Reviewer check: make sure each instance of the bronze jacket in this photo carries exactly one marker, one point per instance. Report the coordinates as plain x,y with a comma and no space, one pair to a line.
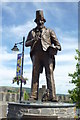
46,36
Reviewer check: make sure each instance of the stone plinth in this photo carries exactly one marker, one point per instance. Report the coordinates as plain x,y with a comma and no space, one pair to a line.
41,111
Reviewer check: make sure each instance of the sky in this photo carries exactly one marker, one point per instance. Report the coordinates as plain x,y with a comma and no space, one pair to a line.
17,19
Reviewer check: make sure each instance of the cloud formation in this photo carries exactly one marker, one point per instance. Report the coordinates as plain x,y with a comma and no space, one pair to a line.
13,30
40,1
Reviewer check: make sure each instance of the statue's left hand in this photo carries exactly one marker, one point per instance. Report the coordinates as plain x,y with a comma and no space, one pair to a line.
39,38
58,48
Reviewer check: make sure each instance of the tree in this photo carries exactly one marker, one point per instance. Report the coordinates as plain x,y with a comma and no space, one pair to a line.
75,93
26,96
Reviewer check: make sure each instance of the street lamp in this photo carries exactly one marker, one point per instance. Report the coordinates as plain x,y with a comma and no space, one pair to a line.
16,49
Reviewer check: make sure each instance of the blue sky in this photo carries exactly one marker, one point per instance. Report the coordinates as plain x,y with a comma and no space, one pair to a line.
18,20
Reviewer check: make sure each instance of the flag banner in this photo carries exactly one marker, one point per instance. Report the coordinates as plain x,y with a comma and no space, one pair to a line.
19,67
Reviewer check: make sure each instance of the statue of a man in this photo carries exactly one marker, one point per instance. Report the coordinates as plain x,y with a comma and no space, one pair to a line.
42,55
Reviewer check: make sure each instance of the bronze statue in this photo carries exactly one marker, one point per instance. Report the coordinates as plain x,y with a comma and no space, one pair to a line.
42,55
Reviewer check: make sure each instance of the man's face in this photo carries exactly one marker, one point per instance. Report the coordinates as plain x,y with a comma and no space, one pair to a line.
40,23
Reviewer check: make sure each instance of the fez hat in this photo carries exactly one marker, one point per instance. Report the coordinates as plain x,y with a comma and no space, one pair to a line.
39,16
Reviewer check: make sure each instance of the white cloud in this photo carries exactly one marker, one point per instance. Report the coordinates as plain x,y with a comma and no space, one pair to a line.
56,12
50,9
8,72
67,44
5,56
79,45
62,79
68,40
0,29
40,1
65,58
0,24
21,29
60,73
17,31
59,58
9,9
6,75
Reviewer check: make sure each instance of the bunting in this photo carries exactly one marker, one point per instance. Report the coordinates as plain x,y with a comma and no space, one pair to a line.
19,67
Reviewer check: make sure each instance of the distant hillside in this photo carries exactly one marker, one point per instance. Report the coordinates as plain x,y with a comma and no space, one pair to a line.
13,89
16,90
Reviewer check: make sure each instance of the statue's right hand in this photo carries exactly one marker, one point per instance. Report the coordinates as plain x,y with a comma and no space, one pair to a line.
37,38
29,42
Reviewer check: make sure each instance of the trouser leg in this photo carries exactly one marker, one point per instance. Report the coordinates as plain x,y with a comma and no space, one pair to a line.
50,79
35,79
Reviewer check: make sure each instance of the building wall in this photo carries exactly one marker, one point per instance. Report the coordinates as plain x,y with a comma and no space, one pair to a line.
9,97
14,97
60,98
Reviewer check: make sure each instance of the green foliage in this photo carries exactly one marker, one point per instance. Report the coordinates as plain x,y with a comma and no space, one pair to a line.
26,96
12,91
75,93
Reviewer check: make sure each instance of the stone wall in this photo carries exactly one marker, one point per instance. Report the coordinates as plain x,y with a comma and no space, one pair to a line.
60,98
9,97
14,97
3,110
58,110
6,97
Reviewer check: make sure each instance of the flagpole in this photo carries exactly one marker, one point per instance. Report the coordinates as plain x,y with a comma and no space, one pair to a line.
16,49
22,70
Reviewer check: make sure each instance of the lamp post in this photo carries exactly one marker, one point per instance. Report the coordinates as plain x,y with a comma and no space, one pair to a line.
16,49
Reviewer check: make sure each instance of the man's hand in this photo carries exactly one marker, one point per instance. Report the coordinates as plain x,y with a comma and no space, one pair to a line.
37,38
58,48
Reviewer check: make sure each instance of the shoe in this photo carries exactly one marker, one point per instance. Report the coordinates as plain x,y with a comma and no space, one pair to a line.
52,100
31,99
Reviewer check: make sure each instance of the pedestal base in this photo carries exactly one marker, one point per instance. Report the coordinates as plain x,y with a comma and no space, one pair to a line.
41,111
